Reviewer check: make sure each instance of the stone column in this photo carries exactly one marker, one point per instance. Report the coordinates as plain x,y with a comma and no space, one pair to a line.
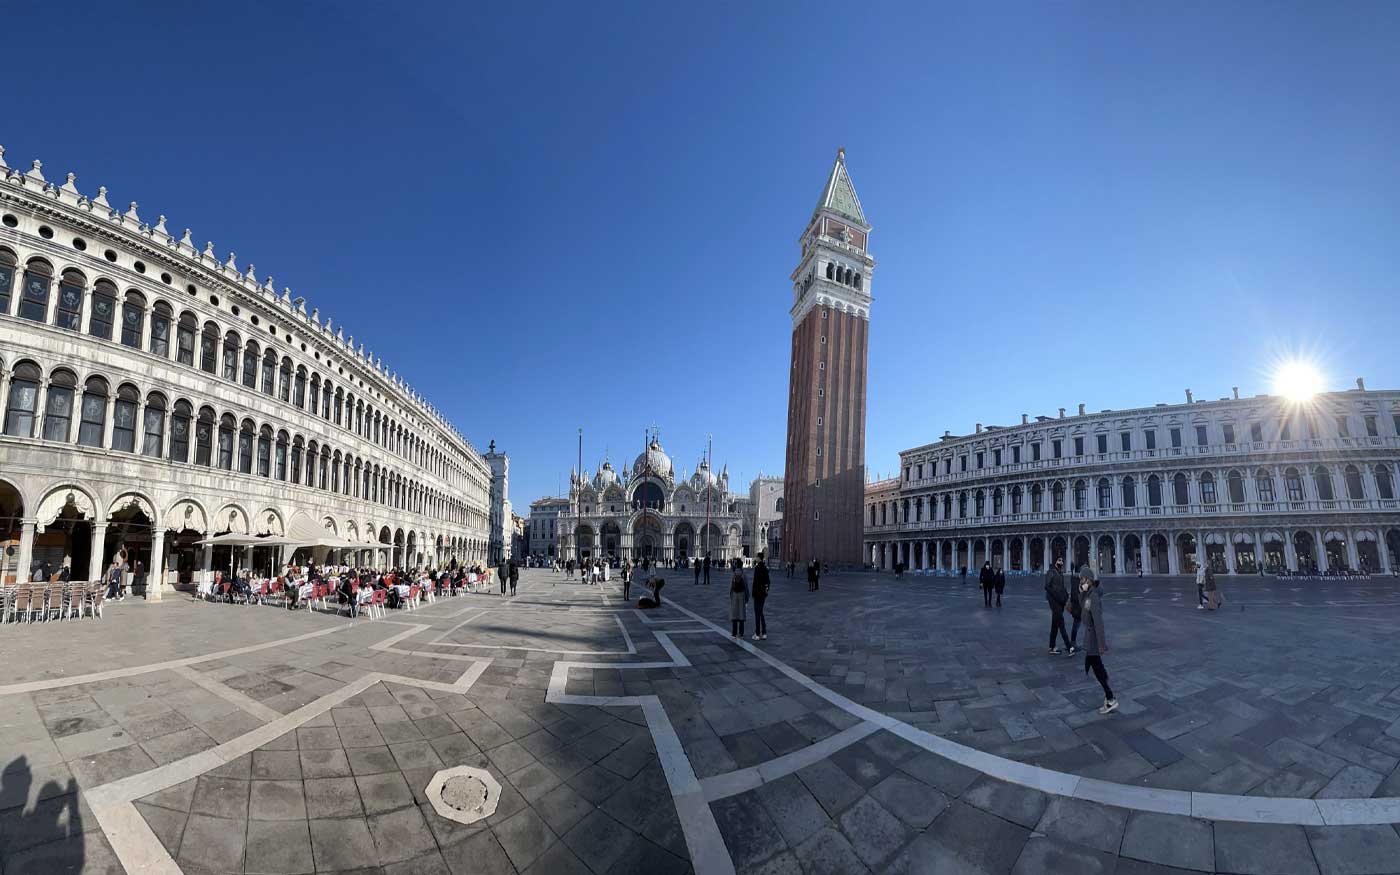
96,561
155,572
207,564
1120,563
1353,555
85,324
1383,552
41,411
1173,559
1144,553
1321,550
247,557
1229,551
1290,555
26,551
1094,553
1045,548
111,412
924,548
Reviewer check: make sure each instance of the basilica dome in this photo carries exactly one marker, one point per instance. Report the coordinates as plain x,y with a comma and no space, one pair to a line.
653,461
606,477
703,477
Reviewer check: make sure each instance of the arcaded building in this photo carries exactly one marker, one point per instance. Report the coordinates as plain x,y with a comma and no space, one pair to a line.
164,404
1247,484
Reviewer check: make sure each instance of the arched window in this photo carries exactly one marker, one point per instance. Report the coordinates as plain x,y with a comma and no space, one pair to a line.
315,404
209,348
124,418
1129,492
180,431
980,502
1015,499
58,408
133,319
284,380
997,501
324,479
232,344
70,301
104,310
8,263
1180,495
1057,496
1355,490
1081,495
93,421
962,504
227,429
265,451
24,399
245,447
153,426
1207,488
1322,479
1105,491
204,437
296,459
1385,487
250,364
1293,482
299,388
1037,498
947,507
1234,481
269,372
161,315
339,403
858,280
327,392
184,339
279,466
830,271
1264,485
34,299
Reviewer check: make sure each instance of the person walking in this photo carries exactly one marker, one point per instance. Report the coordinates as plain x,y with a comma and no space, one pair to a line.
985,578
1200,587
1057,597
503,572
760,595
1076,612
626,580
514,576
696,564
738,597
114,577
1095,638
1000,583
707,569
1212,591
963,571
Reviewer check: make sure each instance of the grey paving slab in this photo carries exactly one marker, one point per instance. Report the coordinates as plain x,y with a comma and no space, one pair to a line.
1169,839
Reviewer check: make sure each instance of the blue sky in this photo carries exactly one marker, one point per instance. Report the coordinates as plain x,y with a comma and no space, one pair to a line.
598,204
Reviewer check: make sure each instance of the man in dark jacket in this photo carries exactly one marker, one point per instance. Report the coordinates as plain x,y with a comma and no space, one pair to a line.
706,569
760,595
999,582
1056,595
986,577
514,576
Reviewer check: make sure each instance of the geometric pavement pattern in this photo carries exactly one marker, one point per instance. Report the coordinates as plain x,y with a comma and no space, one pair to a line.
187,737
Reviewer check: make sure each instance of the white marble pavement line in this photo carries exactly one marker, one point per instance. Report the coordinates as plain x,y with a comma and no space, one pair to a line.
132,671
132,839
743,780
1214,806
228,694
708,853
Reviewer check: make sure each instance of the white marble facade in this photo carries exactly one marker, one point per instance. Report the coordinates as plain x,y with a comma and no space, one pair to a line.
1249,484
155,394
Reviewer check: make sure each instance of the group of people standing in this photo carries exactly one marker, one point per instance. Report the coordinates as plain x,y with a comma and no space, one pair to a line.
991,580
739,594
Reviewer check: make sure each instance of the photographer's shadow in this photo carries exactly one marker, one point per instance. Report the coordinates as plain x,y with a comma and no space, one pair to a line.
39,832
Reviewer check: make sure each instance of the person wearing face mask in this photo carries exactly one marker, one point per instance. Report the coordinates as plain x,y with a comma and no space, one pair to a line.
1095,640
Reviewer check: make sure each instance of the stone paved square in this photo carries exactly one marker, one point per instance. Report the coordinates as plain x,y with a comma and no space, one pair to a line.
886,725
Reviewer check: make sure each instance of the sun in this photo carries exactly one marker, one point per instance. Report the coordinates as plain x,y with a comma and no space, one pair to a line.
1297,380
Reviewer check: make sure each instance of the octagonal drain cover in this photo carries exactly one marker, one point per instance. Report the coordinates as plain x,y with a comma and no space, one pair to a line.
464,794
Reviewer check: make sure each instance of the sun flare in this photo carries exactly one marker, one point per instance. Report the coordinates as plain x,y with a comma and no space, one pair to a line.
1297,380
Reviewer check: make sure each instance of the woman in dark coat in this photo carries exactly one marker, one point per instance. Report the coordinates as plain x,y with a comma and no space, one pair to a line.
738,598
1095,638
1000,584
985,578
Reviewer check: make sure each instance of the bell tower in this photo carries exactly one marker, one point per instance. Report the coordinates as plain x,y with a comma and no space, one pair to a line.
825,474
